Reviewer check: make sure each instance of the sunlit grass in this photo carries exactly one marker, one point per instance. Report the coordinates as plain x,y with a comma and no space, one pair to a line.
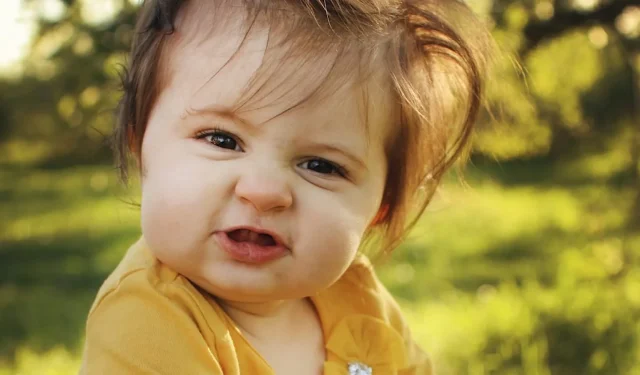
57,361
44,204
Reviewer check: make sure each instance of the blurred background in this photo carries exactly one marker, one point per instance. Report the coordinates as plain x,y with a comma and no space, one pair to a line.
531,267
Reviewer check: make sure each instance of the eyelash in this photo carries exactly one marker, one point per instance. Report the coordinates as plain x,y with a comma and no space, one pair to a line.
341,170
217,130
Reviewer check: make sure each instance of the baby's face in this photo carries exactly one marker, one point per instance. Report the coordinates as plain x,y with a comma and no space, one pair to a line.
256,207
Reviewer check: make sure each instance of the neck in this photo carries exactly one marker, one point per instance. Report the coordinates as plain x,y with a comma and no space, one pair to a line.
260,320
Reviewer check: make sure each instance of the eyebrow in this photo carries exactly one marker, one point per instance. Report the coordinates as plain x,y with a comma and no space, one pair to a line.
221,112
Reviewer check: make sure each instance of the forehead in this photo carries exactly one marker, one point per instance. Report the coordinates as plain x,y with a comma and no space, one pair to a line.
226,59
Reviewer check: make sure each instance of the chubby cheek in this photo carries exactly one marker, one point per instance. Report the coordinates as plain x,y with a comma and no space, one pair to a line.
175,210
332,237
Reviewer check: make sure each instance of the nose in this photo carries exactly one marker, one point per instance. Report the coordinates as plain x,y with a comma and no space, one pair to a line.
265,189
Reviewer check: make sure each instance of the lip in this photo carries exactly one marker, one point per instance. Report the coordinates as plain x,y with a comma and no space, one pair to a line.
248,252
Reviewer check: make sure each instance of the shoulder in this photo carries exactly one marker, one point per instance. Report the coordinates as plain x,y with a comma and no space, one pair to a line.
140,275
137,261
363,311
140,281
362,273
359,290
148,317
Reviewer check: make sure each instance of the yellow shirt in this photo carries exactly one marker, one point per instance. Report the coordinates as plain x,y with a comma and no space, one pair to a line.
147,319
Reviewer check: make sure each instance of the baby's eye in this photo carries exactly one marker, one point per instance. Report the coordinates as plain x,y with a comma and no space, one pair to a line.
220,139
323,166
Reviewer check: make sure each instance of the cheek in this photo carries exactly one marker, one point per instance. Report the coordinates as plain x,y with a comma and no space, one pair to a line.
177,204
332,233
166,219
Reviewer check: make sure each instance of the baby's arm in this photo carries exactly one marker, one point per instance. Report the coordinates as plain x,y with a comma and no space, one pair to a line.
141,328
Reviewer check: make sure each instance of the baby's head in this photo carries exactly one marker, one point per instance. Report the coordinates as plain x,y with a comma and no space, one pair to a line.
273,137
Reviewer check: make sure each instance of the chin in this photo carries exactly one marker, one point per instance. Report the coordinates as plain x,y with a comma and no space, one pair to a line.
254,292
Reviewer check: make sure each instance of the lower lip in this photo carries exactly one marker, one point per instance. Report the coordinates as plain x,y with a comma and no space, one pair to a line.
249,252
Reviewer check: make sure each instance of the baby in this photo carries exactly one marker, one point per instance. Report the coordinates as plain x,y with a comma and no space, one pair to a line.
274,141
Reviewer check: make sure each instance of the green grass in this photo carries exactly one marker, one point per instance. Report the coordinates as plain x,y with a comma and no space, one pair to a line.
61,233
517,274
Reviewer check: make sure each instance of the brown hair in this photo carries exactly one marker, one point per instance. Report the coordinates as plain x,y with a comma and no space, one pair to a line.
434,55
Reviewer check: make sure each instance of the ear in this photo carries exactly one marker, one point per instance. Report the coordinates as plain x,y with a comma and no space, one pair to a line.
380,216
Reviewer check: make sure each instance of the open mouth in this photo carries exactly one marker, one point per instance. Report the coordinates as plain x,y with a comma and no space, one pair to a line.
246,235
252,246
